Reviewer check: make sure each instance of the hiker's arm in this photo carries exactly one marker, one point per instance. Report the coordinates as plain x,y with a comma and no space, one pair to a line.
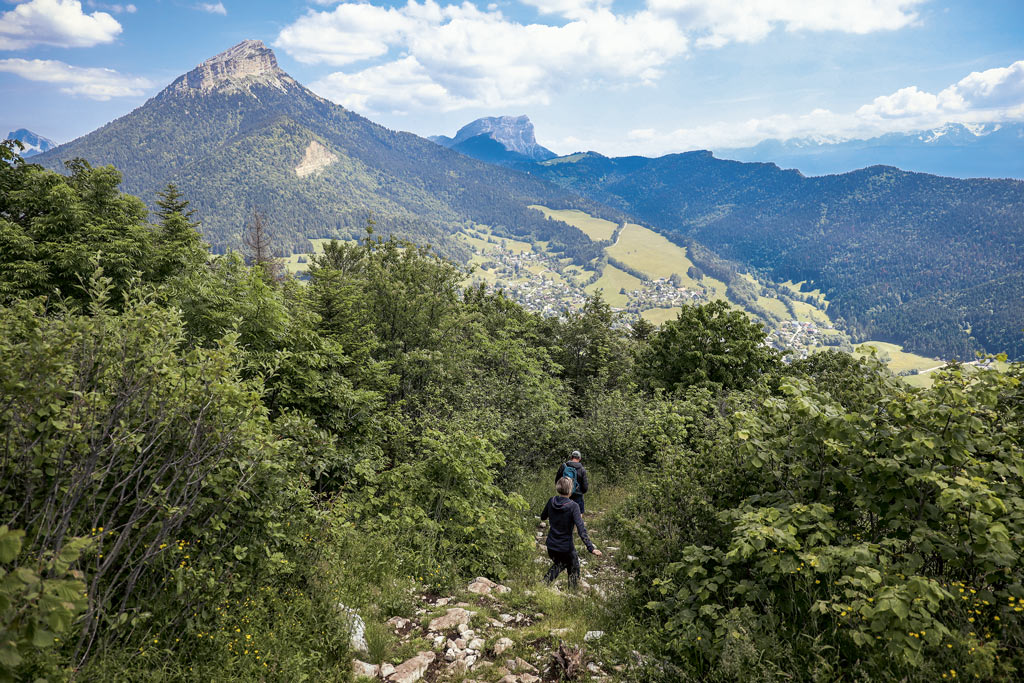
578,519
547,509
584,482
560,472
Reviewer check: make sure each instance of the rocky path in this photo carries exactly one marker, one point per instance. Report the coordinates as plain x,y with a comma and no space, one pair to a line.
522,633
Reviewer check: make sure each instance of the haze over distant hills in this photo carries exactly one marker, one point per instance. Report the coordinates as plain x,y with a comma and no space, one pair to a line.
955,149
33,142
505,140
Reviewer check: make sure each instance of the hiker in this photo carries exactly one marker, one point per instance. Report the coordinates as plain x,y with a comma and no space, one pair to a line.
564,514
573,469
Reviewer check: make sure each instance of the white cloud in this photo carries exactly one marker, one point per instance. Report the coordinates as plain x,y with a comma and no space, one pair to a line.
115,8
464,56
567,8
991,96
55,22
213,8
719,22
91,82
393,86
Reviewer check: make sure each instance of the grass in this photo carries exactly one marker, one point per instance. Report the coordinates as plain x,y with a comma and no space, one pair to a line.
611,282
898,359
651,253
596,229
660,316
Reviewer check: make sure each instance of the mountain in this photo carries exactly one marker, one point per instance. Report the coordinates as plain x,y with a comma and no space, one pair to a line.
954,149
930,262
507,140
237,133
34,143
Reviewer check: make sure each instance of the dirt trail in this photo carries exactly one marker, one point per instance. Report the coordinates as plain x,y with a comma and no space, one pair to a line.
523,633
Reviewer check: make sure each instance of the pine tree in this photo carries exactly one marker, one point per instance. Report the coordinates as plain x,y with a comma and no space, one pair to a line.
178,244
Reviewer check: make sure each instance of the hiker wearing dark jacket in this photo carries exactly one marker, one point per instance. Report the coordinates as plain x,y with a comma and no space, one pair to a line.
564,515
581,478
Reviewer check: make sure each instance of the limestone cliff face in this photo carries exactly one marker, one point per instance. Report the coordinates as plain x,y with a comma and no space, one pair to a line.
246,64
515,133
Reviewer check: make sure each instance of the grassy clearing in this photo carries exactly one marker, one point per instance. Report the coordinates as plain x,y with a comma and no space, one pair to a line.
808,313
897,359
797,288
611,282
660,316
651,253
596,229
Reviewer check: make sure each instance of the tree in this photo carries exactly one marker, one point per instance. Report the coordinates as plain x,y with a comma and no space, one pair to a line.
258,241
711,346
170,200
178,245
56,230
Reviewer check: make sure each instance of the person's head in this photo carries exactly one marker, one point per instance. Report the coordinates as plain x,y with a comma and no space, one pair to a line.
576,456
563,486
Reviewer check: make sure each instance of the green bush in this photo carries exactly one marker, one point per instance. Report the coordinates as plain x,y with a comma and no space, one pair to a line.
886,541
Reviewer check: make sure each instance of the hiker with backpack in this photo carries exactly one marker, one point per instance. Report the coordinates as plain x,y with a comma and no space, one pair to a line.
573,469
564,514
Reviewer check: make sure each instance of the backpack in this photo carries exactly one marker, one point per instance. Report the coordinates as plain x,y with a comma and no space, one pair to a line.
571,472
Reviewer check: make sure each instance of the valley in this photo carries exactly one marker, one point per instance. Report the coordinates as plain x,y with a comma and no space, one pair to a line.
640,273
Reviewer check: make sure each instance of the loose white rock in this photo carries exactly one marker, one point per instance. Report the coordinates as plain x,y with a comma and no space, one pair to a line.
502,645
412,670
593,635
453,617
364,669
357,628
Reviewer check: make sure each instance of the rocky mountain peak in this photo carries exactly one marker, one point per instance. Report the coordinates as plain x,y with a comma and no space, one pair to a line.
514,132
33,142
250,62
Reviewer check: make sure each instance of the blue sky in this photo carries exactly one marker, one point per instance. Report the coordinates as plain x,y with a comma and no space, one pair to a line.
643,77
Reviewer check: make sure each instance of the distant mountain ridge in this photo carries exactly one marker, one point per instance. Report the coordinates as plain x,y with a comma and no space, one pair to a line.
880,242
955,149
236,133
506,140
33,142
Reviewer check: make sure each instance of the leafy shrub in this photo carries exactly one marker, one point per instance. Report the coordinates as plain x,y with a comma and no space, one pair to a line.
161,454
890,536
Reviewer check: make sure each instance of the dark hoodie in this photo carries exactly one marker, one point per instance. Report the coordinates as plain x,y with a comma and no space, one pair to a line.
564,514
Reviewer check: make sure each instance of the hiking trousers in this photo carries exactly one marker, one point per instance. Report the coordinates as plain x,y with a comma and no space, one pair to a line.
569,561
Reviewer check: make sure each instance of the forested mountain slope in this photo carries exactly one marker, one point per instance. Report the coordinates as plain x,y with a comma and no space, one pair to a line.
237,133
879,241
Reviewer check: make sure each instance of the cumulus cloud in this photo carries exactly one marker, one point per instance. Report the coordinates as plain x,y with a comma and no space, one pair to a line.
991,96
716,23
469,56
61,23
464,56
213,8
91,82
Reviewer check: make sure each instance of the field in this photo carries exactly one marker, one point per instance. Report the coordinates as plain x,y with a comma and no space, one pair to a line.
896,358
597,229
659,316
651,253
611,282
